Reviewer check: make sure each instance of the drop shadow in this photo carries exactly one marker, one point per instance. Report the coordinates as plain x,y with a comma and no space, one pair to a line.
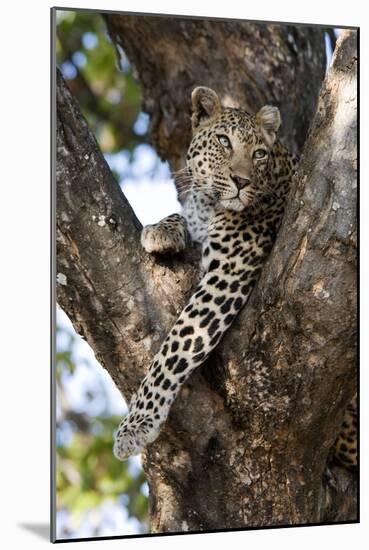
42,530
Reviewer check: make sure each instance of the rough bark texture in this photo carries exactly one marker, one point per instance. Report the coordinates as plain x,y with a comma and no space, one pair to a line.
120,299
249,436
248,64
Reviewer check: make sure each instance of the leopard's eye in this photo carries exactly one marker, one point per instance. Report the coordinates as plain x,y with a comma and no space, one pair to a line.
259,154
223,140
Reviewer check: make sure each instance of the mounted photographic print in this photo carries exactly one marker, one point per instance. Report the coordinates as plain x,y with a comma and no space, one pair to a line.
204,372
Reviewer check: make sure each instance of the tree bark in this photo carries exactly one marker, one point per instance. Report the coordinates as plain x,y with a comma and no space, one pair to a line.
119,299
248,64
249,436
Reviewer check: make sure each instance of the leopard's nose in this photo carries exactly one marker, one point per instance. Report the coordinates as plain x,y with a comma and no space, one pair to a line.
240,182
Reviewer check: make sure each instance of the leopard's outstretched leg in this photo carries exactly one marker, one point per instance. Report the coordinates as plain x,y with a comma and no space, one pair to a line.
223,291
169,236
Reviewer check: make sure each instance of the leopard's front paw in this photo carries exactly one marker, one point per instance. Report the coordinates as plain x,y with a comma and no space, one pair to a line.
127,445
162,240
133,435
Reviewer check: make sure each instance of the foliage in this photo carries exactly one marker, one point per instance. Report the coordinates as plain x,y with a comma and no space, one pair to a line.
87,472
88,475
109,98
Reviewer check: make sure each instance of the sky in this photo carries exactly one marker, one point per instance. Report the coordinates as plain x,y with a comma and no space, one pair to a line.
146,183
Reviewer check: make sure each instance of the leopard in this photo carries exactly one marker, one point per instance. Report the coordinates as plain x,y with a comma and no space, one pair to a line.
233,190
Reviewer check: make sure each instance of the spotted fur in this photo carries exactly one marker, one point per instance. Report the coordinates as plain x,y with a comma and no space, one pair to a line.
345,447
233,191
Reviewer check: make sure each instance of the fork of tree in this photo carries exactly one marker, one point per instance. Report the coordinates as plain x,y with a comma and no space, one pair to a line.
249,438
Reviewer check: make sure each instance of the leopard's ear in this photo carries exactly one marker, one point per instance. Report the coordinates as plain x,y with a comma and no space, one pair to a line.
205,106
269,120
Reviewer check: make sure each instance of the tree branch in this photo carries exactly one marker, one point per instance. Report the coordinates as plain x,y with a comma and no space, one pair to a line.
299,328
81,89
117,297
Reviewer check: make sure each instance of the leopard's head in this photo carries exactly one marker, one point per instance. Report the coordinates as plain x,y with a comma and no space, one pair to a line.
229,155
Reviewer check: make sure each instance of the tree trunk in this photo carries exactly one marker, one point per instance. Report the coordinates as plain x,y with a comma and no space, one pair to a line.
248,64
248,438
